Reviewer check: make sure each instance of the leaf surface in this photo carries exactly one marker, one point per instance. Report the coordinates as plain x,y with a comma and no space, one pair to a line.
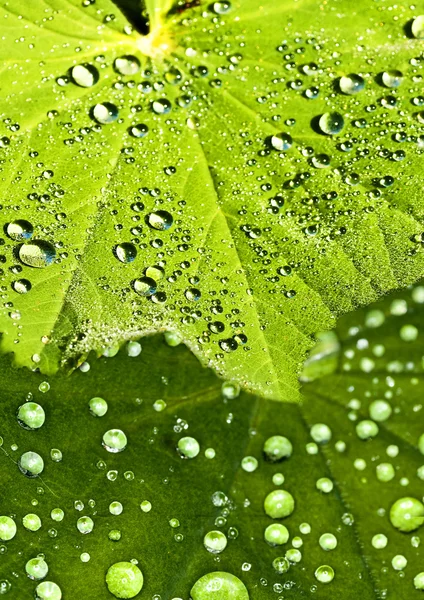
150,469
244,213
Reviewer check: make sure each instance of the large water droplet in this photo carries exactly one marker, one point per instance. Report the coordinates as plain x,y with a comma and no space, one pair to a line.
37,254
324,574
417,27
145,286
31,464
125,252
392,79
215,541
85,75
105,113
124,580
7,528
127,65
351,84
219,586
114,440
160,220
407,514
20,230
22,286
36,568
279,504
331,123
48,591
222,7
31,415
282,141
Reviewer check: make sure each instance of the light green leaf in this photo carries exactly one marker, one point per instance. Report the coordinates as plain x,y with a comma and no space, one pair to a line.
163,395
82,184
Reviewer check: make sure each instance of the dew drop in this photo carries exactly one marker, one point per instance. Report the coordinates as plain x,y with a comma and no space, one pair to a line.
85,75
22,286
222,7
37,254
105,113
125,252
31,464
276,534
114,440
331,123
47,590
392,79
98,407
282,141
324,574
31,415
279,504
277,447
215,542
220,586
127,65
351,84
124,580
145,286
160,220
417,27
188,447
7,528
36,568
20,230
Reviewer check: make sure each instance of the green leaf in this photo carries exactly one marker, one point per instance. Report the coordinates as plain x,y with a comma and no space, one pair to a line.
151,469
245,76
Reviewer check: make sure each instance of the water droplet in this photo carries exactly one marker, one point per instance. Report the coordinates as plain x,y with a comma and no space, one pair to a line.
380,410
160,220
161,106
331,123
85,75
31,522
385,472
230,391
48,591
37,254
56,455
277,447
114,440
7,529
366,429
351,84
145,286
124,580
31,415
249,464
22,286
127,65
324,485
320,433
215,541
139,131
419,581
115,508
57,515
219,585
328,541
31,464
146,506
321,161
417,27
276,534
407,514
379,541
188,447
36,568
399,562
281,565
98,407
324,574
222,7
392,79
282,141
20,230
85,525
279,504
125,252
105,113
